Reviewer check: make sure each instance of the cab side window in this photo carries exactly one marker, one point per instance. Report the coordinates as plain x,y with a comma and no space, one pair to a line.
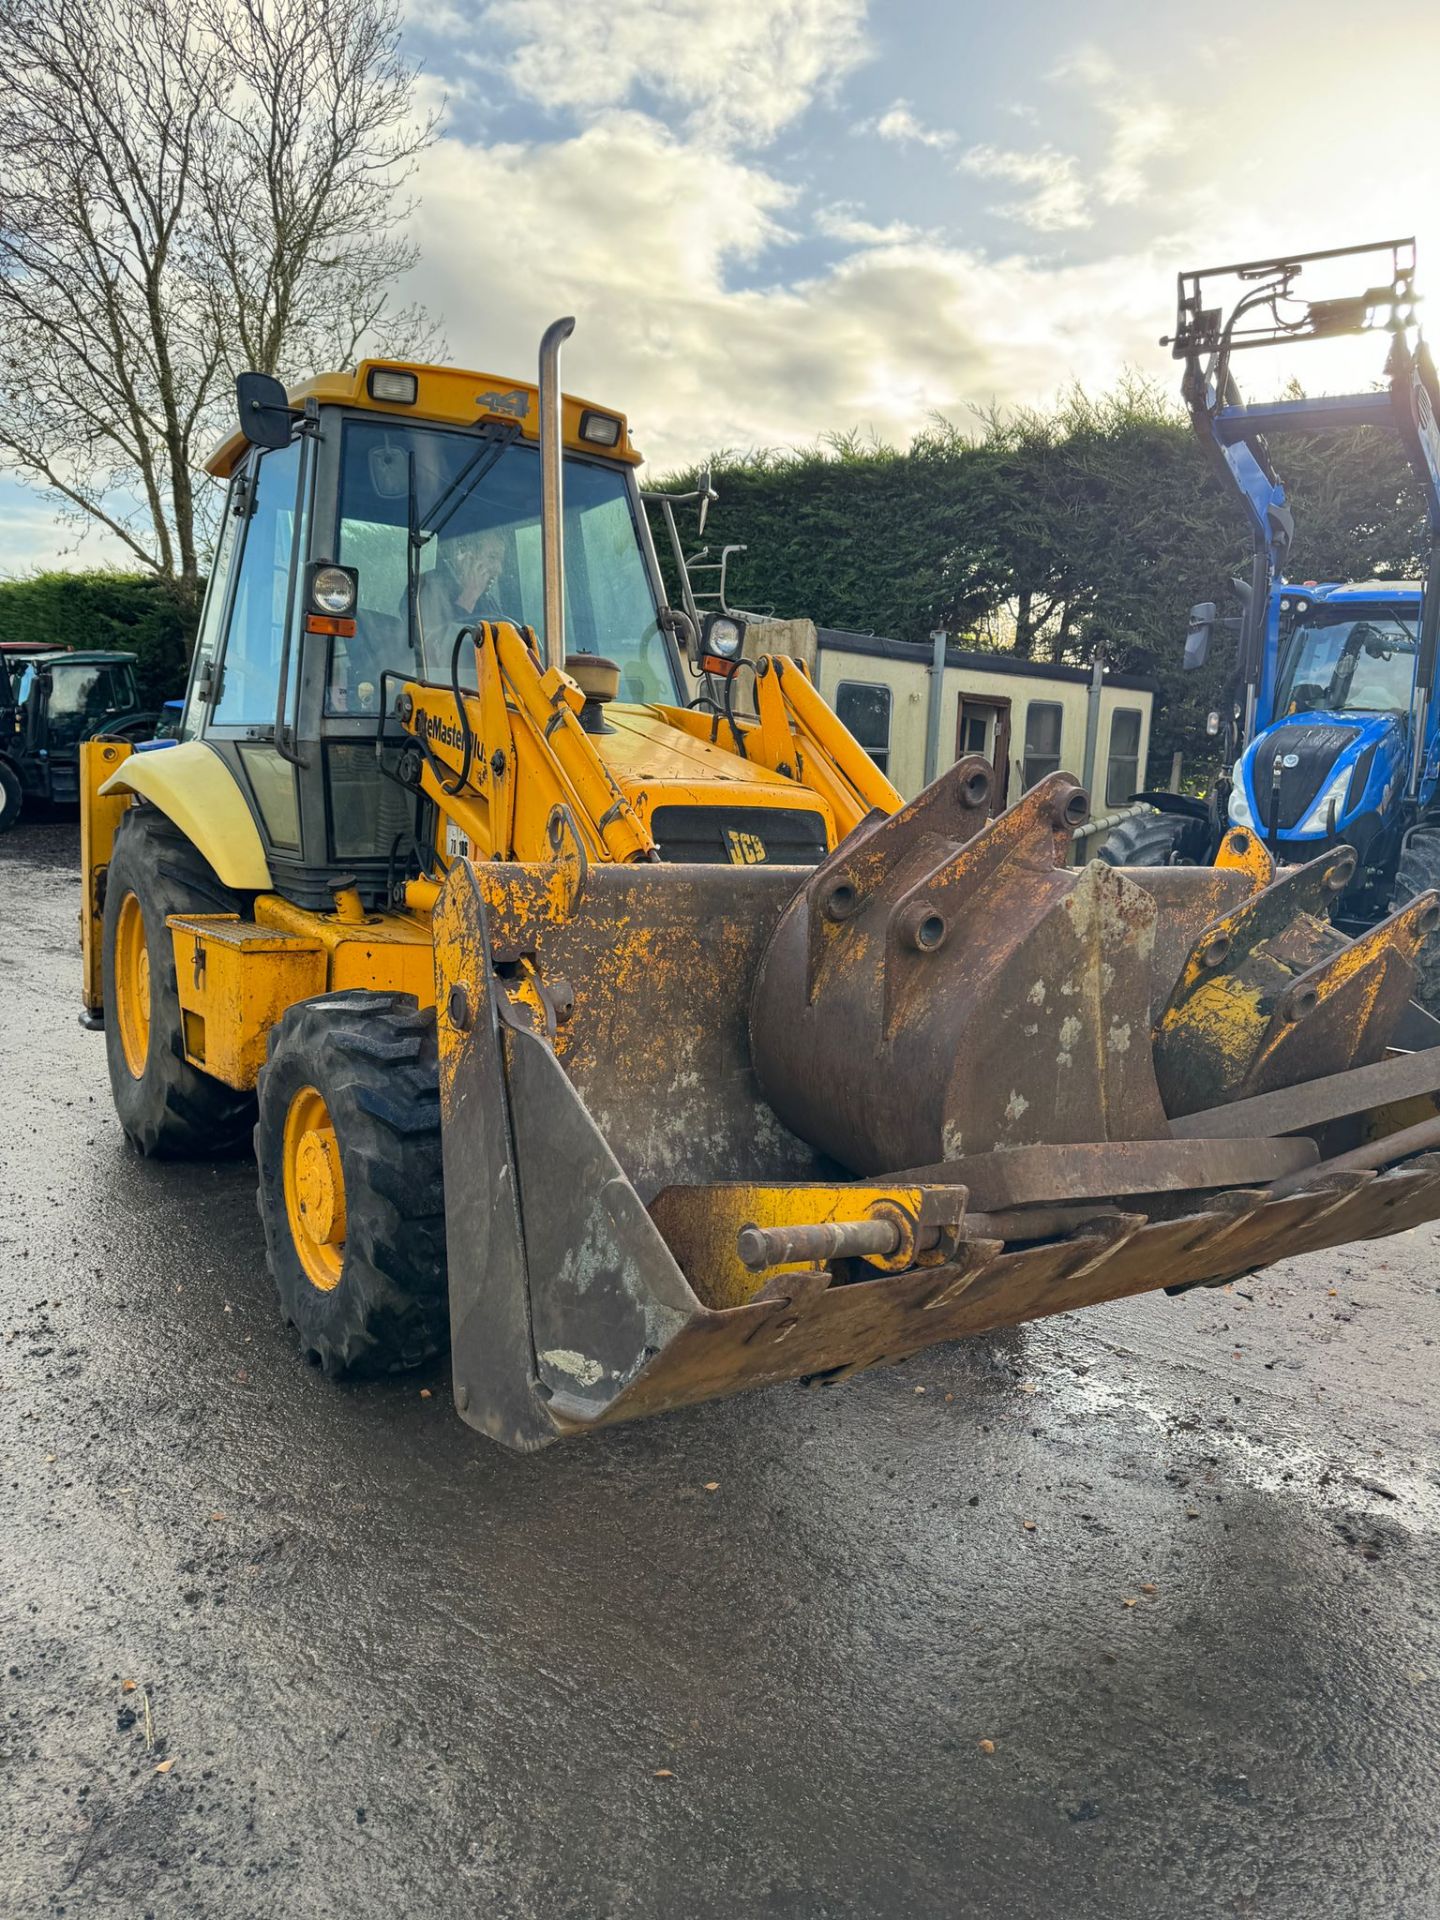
250,663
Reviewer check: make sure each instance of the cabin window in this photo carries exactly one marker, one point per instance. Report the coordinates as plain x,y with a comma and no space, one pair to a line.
1043,719
254,643
1122,773
864,709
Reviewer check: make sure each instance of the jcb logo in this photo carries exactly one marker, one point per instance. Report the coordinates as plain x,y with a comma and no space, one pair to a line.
746,849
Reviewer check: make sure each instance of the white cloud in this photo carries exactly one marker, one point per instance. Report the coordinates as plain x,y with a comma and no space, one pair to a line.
1142,127
1057,200
845,222
741,68
1141,131
899,124
636,233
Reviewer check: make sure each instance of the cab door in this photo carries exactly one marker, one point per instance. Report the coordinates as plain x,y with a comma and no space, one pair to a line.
248,638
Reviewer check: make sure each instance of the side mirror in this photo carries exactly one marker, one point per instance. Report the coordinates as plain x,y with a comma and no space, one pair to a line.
1197,640
265,411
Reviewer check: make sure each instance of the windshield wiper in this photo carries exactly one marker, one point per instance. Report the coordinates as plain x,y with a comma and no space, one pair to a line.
494,441
468,478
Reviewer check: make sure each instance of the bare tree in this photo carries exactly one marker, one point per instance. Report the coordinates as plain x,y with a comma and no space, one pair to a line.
187,188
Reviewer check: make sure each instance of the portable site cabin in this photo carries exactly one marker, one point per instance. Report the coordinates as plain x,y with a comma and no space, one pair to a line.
1027,717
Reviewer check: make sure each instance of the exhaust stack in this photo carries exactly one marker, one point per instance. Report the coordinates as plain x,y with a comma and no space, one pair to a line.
552,490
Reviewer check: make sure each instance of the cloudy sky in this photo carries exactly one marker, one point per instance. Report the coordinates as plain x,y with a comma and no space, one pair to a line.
774,218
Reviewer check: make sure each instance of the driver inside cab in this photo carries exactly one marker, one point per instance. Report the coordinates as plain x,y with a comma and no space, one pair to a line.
460,589
462,586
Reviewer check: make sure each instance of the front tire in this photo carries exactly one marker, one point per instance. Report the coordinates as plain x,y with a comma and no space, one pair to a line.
351,1190
1147,840
12,796
168,1108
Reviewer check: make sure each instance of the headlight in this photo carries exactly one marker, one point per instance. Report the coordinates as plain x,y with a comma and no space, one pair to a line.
332,590
388,383
1240,814
600,429
724,637
1317,820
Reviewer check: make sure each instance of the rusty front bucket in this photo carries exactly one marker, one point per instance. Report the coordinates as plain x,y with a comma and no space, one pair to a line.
707,1128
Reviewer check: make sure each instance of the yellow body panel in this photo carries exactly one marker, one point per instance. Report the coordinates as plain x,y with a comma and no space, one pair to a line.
237,977
194,787
385,952
450,395
99,817
235,981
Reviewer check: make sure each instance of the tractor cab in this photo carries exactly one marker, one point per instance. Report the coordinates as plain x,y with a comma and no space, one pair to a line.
1340,698
50,701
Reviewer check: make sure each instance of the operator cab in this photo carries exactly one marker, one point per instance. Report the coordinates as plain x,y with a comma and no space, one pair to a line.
384,514
1344,657
1327,766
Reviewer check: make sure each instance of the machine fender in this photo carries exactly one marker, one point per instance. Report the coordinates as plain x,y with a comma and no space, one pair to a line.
193,785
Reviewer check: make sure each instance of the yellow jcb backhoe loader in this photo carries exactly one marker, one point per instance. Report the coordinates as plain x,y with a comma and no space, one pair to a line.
643,1046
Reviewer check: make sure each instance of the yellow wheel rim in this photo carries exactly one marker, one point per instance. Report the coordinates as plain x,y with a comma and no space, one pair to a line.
132,985
314,1189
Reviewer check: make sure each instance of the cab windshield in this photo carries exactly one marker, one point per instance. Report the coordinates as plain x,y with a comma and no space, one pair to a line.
443,529
1345,664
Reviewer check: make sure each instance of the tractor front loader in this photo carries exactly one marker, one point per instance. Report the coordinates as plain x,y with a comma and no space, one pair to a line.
643,1048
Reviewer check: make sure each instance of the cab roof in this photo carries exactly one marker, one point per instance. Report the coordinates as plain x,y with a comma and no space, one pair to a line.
1341,592
452,396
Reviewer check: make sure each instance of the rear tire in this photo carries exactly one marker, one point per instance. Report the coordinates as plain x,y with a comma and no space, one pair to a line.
12,796
1419,872
168,1108
351,1194
1145,840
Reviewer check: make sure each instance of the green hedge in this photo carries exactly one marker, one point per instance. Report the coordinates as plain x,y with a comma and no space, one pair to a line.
1103,511
130,611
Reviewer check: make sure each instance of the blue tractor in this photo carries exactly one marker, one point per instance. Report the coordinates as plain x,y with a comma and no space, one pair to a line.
1330,716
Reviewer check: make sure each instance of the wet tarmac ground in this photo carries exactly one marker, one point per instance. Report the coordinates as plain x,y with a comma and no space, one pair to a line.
1129,1612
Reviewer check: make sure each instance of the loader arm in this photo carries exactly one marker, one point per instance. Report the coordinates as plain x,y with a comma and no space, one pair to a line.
796,733
498,761
1267,309
502,758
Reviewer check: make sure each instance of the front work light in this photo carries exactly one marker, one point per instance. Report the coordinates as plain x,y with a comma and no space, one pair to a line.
600,429
387,383
333,590
723,636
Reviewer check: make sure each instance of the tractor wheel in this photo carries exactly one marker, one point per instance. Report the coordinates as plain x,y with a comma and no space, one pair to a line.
1145,840
167,1107
351,1185
12,796
1419,872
